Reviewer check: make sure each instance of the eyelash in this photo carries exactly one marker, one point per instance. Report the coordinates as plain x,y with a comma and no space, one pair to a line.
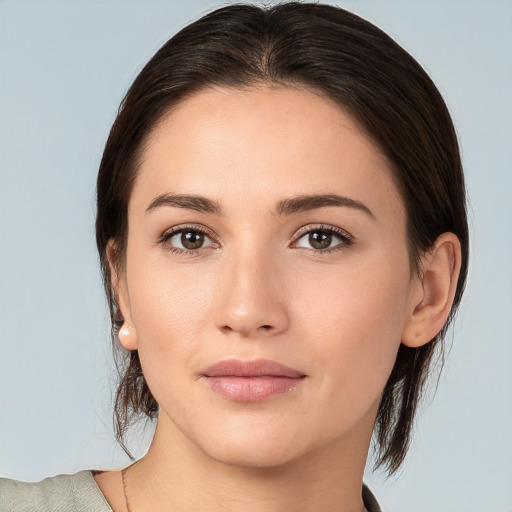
346,239
167,235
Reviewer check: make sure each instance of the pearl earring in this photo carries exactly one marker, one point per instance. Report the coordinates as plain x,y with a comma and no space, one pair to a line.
125,332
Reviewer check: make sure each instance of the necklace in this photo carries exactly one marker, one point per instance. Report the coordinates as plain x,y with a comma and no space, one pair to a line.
123,476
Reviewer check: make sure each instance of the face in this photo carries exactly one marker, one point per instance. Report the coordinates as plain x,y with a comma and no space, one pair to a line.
267,274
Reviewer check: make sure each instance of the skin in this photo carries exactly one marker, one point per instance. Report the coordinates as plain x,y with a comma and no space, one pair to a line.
257,288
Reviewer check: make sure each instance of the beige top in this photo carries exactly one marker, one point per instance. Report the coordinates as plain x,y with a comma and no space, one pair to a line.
76,493
63,493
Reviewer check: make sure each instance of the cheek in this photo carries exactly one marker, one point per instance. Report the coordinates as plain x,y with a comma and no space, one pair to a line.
169,307
357,315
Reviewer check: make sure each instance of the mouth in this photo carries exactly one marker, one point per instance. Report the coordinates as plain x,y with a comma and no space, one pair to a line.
251,381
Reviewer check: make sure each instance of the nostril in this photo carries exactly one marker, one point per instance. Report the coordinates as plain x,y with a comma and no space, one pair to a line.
266,327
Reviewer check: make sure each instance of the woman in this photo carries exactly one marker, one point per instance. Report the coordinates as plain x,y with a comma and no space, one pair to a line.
282,230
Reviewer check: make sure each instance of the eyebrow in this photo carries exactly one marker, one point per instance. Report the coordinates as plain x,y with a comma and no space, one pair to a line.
305,203
189,202
285,207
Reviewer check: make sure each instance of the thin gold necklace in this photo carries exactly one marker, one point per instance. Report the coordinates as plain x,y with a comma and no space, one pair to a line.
123,476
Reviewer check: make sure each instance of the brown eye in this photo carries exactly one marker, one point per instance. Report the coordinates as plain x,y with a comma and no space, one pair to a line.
324,239
192,239
184,240
320,239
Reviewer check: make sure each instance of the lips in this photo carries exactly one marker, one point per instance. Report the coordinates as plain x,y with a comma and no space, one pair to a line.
251,381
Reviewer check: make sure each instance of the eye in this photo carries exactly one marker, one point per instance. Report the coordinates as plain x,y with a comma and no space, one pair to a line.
187,240
323,239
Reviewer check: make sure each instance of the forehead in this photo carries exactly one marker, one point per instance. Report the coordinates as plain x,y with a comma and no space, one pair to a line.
261,145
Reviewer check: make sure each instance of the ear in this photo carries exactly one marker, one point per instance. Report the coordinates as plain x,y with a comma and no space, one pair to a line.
127,333
433,292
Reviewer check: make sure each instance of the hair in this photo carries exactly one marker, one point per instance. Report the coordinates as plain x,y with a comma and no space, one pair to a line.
346,59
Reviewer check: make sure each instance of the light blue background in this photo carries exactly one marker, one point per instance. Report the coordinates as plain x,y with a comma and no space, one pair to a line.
65,66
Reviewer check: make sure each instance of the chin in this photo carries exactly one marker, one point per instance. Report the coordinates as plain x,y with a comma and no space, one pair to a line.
253,448
251,456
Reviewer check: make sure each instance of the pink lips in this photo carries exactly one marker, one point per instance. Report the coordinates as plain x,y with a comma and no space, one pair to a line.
251,381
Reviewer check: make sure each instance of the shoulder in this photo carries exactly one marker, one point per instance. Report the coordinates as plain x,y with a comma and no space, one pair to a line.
66,493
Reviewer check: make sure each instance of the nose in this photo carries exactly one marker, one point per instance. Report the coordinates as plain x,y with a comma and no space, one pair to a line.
251,296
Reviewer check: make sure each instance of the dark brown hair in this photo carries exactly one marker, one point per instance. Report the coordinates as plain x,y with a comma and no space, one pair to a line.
347,59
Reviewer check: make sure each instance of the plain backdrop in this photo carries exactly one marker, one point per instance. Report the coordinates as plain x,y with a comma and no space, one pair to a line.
64,67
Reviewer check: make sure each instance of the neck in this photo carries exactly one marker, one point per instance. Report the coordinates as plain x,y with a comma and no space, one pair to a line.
178,473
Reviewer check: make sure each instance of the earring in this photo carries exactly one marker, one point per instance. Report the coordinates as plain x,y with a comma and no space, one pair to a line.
125,332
